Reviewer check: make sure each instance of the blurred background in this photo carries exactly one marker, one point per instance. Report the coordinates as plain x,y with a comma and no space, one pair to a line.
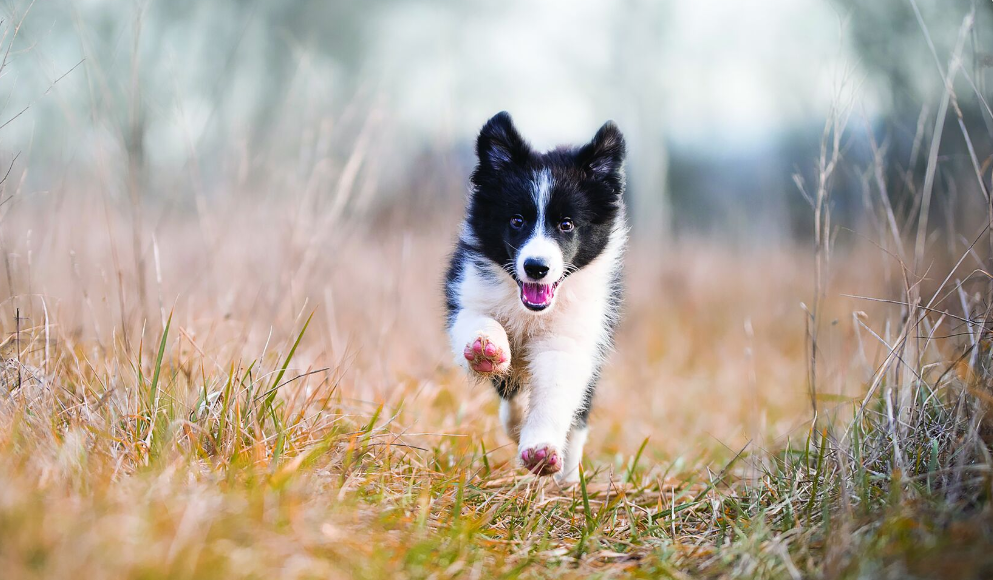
378,102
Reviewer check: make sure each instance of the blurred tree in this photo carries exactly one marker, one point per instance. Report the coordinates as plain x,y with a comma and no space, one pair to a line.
635,85
894,49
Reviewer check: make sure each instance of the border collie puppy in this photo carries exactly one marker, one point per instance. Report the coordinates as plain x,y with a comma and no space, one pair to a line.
533,287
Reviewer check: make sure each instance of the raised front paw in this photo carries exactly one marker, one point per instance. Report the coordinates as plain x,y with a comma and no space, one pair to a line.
542,459
487,357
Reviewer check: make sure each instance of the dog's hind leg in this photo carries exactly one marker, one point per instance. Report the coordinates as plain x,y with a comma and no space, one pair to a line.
512,406
573,454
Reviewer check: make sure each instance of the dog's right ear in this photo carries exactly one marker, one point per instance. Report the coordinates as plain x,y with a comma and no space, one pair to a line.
499,144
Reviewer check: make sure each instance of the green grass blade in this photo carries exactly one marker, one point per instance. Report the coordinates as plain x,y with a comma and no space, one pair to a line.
153,389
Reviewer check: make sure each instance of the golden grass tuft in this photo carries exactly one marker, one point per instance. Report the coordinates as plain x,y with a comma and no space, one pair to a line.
282,402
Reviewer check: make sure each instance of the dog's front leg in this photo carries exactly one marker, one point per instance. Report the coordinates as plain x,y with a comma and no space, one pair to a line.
480,343
560,375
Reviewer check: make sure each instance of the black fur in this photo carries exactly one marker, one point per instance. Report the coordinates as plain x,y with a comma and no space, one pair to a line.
588,184
456,266
506,387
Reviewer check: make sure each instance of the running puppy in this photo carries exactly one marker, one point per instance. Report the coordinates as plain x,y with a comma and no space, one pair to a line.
533,287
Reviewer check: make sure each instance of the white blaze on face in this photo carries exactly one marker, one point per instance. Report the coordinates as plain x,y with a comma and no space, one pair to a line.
541,249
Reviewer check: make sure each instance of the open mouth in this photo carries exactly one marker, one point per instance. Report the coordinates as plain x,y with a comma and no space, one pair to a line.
537,296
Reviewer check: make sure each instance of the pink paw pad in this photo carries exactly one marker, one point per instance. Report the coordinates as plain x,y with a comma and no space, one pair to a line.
484,356
541,460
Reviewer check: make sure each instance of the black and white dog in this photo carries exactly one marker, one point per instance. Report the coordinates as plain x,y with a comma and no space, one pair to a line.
533,288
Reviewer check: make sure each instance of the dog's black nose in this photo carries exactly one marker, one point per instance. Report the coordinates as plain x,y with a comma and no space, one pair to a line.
535,269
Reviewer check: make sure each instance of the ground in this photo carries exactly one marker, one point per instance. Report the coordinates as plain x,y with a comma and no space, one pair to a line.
276,398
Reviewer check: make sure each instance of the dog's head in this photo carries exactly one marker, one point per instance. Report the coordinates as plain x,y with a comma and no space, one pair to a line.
543,216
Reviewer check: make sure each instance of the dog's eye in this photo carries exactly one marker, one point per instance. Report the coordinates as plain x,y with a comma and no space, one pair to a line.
567,225
517,222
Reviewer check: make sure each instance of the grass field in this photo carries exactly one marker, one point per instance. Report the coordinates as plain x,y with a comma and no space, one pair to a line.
275,398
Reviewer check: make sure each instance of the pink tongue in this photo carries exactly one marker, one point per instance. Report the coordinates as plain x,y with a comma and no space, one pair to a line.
538,294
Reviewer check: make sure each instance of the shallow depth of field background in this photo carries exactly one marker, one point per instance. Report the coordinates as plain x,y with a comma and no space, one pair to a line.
233,168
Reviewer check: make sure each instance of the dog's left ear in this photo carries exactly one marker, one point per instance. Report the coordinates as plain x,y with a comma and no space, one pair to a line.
603,157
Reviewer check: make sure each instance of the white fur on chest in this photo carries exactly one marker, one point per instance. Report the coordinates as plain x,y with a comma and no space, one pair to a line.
581,315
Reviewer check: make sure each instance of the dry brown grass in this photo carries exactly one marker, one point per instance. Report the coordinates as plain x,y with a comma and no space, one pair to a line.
357,466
